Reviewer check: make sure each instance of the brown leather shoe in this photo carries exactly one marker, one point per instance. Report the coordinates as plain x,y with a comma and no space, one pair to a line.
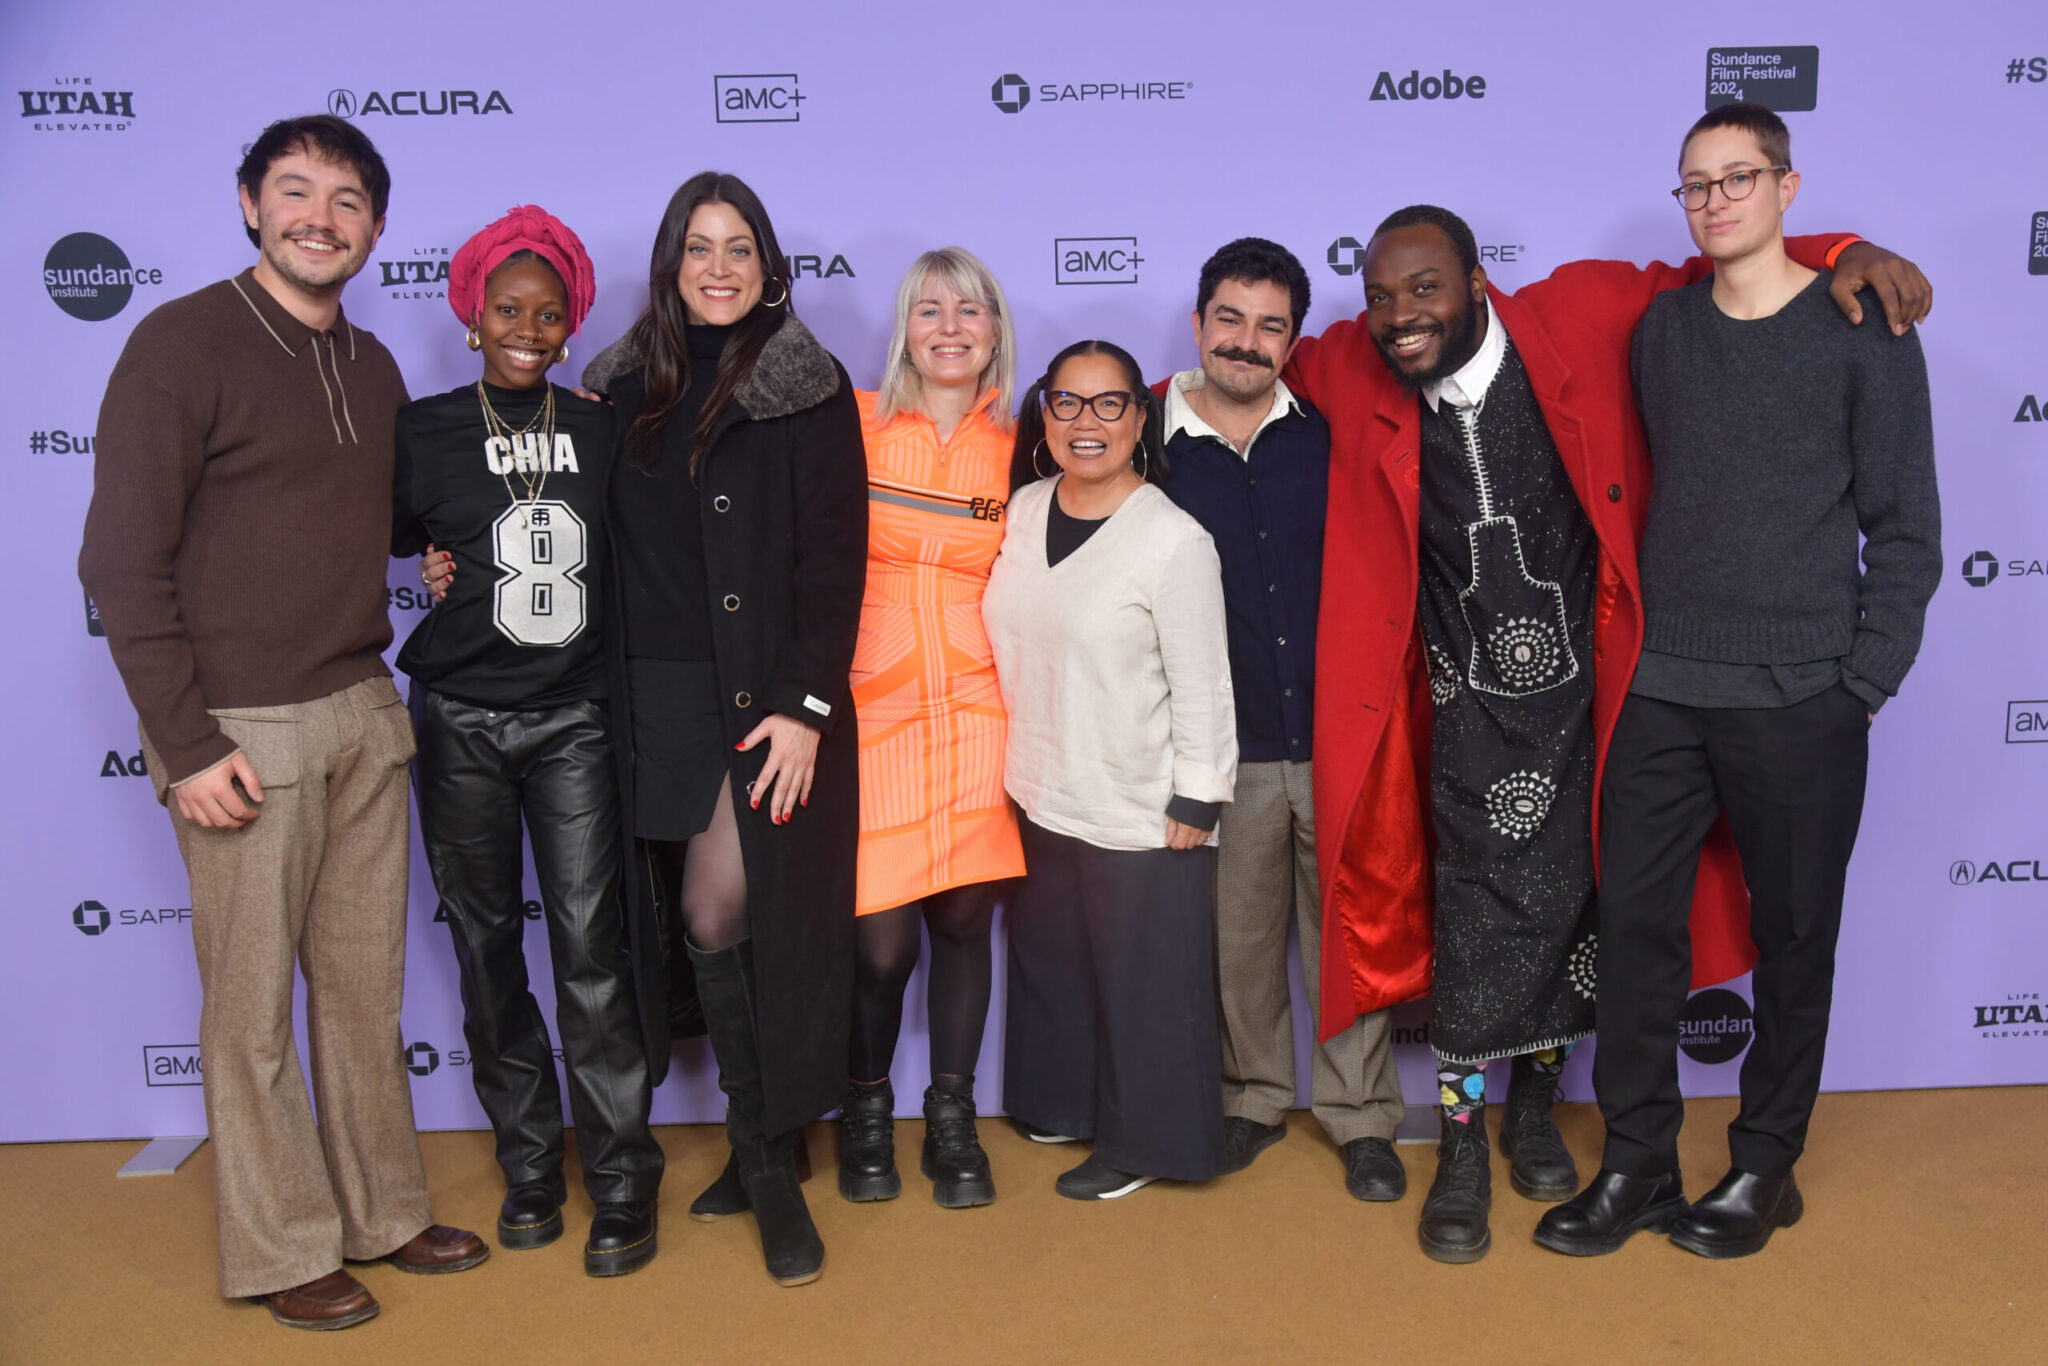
336,1300
438,1249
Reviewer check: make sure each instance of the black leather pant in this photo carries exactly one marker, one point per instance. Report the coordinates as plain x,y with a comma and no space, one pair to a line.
478,772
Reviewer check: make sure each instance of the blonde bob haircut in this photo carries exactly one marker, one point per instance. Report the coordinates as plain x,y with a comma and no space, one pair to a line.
963,273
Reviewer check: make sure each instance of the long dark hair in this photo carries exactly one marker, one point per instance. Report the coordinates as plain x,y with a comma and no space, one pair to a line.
658,334
1031,415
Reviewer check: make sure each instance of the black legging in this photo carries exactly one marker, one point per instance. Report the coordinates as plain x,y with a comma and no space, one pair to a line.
710,877
956,996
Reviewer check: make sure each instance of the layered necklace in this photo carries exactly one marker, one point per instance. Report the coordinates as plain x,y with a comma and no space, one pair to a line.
499,429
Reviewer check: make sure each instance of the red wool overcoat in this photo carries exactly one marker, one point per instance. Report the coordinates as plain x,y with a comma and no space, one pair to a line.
1372,714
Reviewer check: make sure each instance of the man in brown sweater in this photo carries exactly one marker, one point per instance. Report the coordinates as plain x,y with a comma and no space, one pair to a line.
246,437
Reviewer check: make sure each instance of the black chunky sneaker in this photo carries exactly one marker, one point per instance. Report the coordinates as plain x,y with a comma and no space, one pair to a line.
867,1143
953,1157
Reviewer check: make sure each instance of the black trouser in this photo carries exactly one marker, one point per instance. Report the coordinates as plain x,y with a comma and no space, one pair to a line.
478,772
1112,1032
1791,782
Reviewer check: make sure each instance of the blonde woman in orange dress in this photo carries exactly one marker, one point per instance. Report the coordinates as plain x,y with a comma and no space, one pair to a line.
937,832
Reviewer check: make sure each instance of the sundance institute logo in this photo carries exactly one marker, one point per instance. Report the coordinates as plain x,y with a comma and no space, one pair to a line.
1715,1026
90,278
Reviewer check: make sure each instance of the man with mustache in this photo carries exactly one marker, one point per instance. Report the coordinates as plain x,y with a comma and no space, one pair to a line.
1250,461
246,435
1488,482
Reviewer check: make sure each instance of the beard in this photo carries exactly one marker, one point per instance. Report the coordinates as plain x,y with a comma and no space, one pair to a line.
313,276
1460,344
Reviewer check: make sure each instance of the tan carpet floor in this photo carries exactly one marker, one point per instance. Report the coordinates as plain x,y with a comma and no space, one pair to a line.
1923,1241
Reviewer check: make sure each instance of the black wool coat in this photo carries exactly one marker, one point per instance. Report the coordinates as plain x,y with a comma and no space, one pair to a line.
783,487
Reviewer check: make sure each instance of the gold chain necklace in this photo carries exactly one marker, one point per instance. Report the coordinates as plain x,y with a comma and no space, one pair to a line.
499,429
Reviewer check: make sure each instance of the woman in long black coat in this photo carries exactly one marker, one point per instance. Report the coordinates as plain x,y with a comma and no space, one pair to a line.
739,524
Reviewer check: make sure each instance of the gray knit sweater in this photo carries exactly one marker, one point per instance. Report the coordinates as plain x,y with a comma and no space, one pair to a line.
1775,442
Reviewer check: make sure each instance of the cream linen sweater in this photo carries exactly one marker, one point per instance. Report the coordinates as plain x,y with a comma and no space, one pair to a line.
1114,669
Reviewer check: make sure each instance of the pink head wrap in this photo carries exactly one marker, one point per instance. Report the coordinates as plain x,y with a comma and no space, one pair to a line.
526,228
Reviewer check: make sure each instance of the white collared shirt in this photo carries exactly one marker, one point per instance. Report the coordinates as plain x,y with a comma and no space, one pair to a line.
1181,414
1467,387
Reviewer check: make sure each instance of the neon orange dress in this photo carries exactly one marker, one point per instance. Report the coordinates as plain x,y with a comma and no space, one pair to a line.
933,813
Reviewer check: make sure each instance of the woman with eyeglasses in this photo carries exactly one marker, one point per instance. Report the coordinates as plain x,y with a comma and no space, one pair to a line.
1105,610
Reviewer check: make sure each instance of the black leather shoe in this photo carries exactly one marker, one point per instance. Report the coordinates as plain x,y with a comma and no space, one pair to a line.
1539,1165
1453,1225
1373,1170
1245,1139
867,1143
531,1216
1737,1217
621,1238
1600,1218
954,1160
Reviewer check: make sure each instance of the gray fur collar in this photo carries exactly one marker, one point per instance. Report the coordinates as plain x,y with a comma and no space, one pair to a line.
794,372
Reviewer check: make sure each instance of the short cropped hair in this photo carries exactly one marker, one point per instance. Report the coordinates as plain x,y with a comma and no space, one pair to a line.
1452,226
1773,138
1254,261
324,136
964,274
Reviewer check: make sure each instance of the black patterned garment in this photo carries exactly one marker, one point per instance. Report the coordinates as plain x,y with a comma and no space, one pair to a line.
1508,572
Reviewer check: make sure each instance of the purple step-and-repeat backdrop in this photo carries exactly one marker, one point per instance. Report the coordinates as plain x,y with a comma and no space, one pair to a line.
1093,155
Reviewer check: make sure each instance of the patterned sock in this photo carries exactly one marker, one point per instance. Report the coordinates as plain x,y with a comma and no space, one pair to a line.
1549,1062
1461,1089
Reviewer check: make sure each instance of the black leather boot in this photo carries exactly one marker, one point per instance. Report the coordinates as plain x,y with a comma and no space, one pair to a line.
1454,1216
1539,1165
1737,1217
953,1156
1600,1218
531,1216
867,1142
790,1245
621,1238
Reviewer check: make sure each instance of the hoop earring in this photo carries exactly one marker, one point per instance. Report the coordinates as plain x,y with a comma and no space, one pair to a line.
1144,470
476,343
562,356
778,302
1034,461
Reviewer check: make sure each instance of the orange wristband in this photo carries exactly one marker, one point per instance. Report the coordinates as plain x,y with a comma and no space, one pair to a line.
1838,248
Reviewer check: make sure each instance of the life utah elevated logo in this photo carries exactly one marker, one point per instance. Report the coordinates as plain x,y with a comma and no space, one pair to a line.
78,104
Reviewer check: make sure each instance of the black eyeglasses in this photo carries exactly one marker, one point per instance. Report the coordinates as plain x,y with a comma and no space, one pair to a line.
1109,405
1736,185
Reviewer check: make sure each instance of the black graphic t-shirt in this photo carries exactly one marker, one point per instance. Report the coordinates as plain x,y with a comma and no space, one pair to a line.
521,628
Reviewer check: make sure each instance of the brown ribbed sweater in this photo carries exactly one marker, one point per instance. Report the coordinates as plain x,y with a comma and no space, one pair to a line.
241,513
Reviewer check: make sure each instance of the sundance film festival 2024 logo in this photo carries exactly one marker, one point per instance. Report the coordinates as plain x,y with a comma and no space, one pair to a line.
1786,79
1012,94
91,278
73,104
2037,244
349,104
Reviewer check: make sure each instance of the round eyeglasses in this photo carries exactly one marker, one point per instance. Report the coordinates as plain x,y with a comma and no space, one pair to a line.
1736,185
1109,405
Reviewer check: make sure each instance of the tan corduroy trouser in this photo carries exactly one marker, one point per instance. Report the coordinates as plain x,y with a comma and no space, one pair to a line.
317,879
1265,870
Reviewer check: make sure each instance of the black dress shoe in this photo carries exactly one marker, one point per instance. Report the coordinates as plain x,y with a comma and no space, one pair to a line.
867,1143
1539,1165
1373,1170
1737,1217
1245,1139
1453,1227
531,1216
1600,1218
621,1238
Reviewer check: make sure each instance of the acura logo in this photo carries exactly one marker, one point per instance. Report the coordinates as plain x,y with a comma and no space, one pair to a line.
1962,872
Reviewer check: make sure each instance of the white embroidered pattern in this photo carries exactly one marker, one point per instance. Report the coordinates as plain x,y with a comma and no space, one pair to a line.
1526,653
1443,676
1517,804
1580,970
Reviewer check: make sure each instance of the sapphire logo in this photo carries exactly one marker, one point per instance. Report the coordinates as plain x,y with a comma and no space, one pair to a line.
1980,569
1010,92
90,278
1715,1026
757,98
1347,256
421,1060
171,1064
1780,78
1095,260
91,918
346,104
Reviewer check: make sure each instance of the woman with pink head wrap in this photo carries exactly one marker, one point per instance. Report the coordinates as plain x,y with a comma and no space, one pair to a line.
509,710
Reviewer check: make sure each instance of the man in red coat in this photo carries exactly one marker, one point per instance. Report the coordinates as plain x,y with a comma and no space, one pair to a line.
1439,362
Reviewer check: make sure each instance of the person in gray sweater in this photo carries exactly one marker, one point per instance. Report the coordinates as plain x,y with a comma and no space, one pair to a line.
1782,435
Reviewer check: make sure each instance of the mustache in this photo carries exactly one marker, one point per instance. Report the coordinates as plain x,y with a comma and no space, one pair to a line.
332,239
1238,353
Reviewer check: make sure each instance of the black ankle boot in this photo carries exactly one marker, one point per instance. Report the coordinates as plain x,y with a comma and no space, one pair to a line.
723,1198
1454,1216
531,1216
767,1165
1539,1165
1600,1218
621,1238
953,1157
1737,1217
867,1142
